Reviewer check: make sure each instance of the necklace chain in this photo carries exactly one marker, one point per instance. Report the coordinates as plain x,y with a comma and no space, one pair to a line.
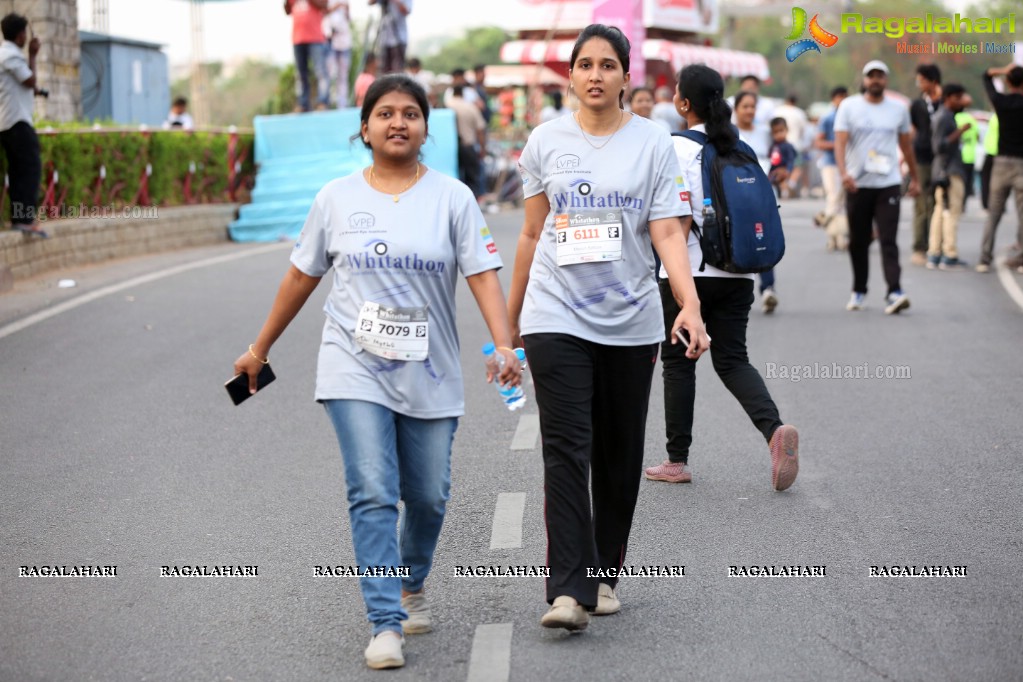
621,117
373,181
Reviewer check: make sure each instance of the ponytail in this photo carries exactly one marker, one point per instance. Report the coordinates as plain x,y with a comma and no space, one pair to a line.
704,88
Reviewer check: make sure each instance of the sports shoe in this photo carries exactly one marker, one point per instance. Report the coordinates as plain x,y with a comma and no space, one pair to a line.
384,651
607,601
418,614
770,300
982,267
933,262
784,457
918,258
566,613
951,264
897,302
855,301
669,472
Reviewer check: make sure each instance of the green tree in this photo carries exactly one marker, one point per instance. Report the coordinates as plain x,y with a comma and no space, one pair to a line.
477,46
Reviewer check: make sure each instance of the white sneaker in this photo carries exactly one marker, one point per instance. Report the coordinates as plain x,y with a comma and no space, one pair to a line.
770,300
855,302
607,601
419,620
384,651
566,613
897,302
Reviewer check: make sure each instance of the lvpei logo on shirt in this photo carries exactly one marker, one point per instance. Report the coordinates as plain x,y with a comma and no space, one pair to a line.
818,36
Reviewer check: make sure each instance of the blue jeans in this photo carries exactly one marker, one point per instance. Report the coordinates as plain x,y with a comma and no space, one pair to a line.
766,280
389,456
318,53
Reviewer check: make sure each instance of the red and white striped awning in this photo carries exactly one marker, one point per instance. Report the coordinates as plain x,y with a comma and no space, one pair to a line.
726,62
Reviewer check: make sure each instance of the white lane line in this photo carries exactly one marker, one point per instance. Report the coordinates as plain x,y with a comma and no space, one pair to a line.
73,303
490,660
1009,284
526,433
507,530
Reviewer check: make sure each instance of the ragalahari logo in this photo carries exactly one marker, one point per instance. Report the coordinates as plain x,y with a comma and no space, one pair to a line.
818,35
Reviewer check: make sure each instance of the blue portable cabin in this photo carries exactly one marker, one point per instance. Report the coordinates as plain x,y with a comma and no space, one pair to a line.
124,80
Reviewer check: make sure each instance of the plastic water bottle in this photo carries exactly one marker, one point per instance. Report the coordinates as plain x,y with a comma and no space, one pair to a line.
708,211
512,396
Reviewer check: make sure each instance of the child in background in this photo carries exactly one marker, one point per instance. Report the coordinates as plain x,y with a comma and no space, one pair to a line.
782,154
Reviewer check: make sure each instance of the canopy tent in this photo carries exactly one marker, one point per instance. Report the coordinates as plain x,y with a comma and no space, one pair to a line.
727,62
523,75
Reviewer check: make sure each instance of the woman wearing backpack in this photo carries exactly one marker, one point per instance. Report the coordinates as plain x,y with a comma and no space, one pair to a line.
725,301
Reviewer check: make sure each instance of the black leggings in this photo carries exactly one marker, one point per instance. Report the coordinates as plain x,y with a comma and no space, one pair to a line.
724,305
593,406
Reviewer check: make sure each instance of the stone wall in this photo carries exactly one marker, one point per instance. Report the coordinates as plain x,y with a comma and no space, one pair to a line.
80,241
55,23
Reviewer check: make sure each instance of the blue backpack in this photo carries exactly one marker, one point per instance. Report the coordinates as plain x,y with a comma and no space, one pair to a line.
748,235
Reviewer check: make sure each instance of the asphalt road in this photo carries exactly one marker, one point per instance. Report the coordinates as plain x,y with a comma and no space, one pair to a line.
120,447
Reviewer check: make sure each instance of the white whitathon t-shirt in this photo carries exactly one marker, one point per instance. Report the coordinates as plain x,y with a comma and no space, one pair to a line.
872,127
690,160
404,254
614,303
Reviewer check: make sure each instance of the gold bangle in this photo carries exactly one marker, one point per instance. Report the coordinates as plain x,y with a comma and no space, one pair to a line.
510,350
253,354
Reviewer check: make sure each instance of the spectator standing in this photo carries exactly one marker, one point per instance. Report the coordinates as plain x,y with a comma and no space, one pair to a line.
472,132
393,33
948,177
178,117
990,152
17,136
1007,168
479,86
870,129
468,93
796,123
832,218
968,143
922,112
782,155
664,110
555,109
365,79
310,45
338,28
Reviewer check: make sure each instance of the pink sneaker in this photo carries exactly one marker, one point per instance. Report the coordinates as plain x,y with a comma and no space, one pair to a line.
669,472
784,457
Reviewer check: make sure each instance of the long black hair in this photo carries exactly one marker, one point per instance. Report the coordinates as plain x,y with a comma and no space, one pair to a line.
619,43
395,82
704,88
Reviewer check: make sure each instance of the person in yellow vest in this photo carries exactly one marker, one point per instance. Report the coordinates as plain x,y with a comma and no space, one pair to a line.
968,142
990,152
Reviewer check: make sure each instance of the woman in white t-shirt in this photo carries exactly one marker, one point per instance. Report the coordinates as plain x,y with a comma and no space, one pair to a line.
725,300
396,234
599,187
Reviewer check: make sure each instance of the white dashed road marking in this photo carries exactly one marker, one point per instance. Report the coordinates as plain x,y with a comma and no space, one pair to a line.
490,660
507,529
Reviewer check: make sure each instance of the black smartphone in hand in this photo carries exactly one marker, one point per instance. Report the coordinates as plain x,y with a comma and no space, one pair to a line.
238,387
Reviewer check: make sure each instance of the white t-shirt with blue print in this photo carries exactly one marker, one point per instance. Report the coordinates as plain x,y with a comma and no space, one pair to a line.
614,302
405,254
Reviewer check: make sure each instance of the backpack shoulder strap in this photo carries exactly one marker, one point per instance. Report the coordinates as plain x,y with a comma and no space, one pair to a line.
694,135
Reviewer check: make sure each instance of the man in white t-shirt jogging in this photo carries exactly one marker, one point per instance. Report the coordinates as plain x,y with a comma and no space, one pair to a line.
870,129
